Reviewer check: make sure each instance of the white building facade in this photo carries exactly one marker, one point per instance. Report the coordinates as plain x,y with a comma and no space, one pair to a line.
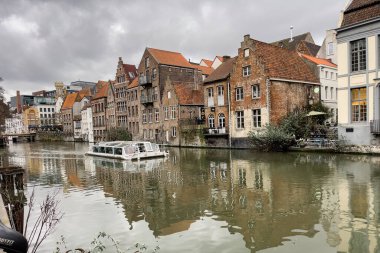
14,125
87,131
359,75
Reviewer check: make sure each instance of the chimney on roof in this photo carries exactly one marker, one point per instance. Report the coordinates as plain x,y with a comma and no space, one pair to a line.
226,57
291,33
247,37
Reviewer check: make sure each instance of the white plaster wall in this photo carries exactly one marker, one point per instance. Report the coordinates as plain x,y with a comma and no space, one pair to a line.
342,59
372,53
343,98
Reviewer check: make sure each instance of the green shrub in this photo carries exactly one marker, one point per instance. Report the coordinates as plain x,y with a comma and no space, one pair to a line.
118,134
296,124
273,138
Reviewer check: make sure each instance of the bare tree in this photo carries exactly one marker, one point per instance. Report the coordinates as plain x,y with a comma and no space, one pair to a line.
49,217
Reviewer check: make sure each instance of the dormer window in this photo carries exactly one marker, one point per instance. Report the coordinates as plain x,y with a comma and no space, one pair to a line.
131,75
246,52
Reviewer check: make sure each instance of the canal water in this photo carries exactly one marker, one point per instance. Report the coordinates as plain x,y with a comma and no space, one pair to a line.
200,200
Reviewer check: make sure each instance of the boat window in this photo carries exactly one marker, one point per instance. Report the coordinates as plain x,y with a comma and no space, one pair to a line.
102,150
129,149
141,147
109,150
118,151
95,149
148,146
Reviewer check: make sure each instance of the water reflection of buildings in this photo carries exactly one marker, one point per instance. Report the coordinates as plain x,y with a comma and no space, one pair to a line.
266,198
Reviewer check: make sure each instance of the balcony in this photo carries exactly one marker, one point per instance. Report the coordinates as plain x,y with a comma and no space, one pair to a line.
148,99
213,132
375,126
145,80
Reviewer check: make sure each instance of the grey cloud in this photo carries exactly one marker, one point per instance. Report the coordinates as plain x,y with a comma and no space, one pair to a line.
42,41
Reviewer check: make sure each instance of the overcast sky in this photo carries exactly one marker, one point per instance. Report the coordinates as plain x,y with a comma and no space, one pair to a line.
43,41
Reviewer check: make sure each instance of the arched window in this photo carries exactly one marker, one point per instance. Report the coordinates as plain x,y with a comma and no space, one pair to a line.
222,120
211,121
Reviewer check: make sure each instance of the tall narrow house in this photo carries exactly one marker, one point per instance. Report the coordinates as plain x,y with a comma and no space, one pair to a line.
157,69
125,73
359,73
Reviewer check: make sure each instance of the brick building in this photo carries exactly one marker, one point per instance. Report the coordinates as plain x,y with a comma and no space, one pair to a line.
99,104
111,107
133,108
66,113
216,104
157,69
267,82
181,105
125,73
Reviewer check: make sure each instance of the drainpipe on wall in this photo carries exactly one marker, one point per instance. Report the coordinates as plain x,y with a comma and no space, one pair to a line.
268,98
229,113
179,130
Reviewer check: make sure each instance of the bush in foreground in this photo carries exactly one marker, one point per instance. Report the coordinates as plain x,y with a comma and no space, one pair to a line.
272,138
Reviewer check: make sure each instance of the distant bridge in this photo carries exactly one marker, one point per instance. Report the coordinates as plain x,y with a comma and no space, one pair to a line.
15,136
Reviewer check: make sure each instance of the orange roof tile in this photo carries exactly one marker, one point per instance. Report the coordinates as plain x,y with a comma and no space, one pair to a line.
187,95
102,92
69,101
134,83
208,62
319,61
283,64
205,70
169,58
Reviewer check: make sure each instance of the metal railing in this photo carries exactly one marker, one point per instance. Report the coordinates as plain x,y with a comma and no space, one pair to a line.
148,99
215,131
375,126
144,80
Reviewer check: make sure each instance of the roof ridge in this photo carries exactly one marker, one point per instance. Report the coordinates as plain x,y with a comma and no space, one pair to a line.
162,50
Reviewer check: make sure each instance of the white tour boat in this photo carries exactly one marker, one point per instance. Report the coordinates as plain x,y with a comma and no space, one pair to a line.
127,150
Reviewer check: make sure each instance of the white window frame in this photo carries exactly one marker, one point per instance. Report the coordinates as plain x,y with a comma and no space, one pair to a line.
247,70
240,119
256,118
256,91
210,92
246,52
239,96
211,121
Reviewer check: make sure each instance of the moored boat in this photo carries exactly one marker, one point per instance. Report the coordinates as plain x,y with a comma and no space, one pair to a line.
127,150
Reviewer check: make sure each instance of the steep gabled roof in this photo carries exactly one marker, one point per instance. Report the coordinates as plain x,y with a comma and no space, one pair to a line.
207,62
291,45
222,72
203,69
313,48
319,61
82,93
69,101
187,95
169,58
282,63
129,68
102,91
360,10
134,83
